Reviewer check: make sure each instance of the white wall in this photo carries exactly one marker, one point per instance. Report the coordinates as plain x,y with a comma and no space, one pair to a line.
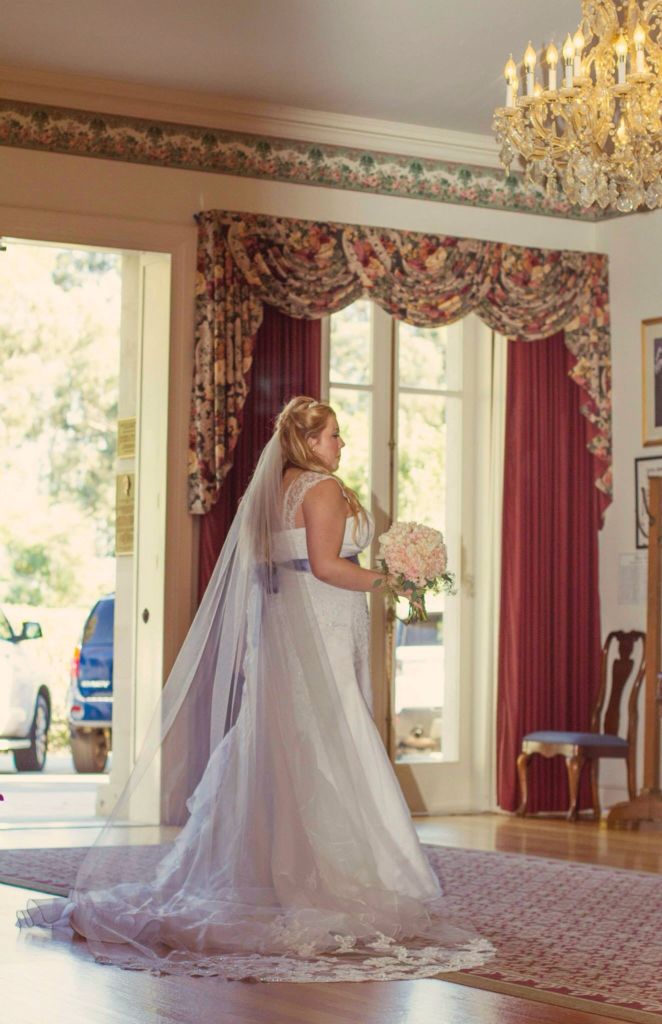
51,181
635,268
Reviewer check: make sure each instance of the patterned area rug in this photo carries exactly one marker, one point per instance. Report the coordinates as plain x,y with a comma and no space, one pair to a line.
578,935
574,934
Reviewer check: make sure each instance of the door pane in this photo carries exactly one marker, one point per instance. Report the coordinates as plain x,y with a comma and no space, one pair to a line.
428,468
422,459
429,358
349,361
350,364
352,408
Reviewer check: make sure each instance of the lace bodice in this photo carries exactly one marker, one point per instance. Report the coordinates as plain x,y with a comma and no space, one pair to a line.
297,491
355,540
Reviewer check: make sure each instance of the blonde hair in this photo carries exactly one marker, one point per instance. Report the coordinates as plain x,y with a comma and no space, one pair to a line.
300,420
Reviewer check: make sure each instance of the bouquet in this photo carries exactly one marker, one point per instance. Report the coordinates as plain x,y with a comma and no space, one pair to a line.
414,558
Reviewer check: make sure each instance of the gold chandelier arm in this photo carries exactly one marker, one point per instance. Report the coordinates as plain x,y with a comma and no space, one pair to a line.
600,21
546,133
651,16
595,133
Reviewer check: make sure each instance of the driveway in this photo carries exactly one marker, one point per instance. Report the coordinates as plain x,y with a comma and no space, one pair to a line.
56,795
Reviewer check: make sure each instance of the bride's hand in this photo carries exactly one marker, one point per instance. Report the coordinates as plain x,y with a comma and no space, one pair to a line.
415,603
389,583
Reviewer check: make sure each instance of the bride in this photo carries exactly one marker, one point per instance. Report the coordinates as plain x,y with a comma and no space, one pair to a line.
297,859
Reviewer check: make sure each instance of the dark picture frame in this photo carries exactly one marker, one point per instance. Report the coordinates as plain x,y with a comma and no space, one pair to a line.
644,468
651,378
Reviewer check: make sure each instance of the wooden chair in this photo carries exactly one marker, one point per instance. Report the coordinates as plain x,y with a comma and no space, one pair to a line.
604,739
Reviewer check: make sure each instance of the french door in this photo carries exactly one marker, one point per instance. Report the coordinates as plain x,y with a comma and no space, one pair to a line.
406,400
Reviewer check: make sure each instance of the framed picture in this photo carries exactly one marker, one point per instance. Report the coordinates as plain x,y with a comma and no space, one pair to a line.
651,365
644,469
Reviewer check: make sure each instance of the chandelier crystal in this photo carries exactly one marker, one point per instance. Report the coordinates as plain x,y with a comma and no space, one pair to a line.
594,131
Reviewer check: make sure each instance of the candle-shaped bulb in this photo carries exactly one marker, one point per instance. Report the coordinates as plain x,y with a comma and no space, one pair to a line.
529,58
621,47
639,38
529,67
510,70
552,58
568,62
510,74
578,42
621,133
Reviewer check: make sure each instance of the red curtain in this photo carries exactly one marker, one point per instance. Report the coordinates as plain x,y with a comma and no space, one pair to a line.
286,362
549,644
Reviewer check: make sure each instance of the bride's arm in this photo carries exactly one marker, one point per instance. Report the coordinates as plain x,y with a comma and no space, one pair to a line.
325,516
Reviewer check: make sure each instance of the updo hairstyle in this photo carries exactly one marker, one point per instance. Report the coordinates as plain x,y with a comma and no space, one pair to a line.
300,420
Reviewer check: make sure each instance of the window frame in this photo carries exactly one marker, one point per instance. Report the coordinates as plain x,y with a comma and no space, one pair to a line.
383,489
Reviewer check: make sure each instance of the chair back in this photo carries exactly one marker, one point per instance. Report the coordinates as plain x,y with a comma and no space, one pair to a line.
623,659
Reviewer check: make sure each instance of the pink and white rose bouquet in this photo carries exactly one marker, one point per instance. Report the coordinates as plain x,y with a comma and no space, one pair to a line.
414,559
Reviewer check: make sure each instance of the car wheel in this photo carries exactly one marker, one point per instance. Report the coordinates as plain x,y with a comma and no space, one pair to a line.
90,750
33,758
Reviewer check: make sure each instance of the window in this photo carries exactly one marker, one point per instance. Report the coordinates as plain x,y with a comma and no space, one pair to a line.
397,391
350,391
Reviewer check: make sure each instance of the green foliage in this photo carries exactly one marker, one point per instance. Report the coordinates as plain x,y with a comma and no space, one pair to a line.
353,412
59,350
59,732
422,458
72,269
41,573
422,357
350,344
350,364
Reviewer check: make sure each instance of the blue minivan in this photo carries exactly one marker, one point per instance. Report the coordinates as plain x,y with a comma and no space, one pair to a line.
90,695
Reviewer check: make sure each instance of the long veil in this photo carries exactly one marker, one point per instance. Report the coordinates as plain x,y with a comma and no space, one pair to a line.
269,831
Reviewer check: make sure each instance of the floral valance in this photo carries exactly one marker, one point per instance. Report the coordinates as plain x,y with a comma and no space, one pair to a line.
308,269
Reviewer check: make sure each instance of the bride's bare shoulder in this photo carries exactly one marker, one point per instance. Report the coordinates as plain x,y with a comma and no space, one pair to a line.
328,493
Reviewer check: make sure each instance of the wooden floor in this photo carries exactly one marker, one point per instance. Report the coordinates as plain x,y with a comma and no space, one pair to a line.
54,981
582,841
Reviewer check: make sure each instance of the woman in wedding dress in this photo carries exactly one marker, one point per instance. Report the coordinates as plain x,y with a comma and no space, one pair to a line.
297,859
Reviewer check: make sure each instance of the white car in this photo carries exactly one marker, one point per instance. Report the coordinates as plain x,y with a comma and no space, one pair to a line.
25,700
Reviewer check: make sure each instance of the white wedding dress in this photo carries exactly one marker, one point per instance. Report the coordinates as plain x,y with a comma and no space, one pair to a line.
298,860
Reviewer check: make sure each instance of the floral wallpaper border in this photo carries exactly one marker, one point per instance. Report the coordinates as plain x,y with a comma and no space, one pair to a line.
218,151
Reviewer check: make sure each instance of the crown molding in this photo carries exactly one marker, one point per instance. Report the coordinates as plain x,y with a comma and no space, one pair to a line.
109,96
93,117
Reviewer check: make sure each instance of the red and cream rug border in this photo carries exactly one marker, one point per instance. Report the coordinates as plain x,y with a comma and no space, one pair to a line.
576,935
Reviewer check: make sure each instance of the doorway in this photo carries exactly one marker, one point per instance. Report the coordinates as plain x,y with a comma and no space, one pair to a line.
86,333
416,408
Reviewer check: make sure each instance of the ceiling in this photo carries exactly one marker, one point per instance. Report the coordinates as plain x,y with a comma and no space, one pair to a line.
436,63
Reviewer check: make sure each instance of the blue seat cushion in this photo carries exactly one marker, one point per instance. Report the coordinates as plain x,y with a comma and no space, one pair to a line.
577,739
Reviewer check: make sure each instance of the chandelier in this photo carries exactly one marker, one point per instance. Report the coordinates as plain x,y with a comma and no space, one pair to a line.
591,129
